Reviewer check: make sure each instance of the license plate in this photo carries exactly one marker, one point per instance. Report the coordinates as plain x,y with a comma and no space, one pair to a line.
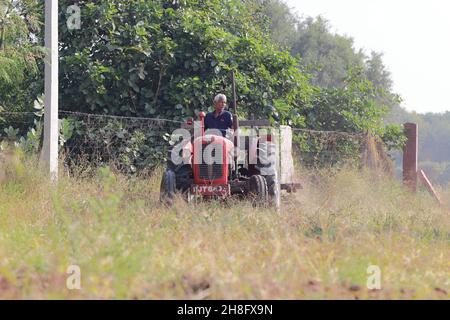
210,189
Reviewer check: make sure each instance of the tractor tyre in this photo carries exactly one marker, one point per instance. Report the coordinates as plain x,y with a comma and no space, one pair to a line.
184,177
267,167
168,187
258,192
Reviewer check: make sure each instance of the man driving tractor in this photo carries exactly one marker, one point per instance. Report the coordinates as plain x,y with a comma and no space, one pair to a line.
202,176
220,118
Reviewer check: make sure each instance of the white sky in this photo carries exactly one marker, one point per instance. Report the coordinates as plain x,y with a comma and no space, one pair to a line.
414,36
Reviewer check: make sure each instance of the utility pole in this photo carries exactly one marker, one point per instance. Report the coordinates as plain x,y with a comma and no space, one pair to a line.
49,156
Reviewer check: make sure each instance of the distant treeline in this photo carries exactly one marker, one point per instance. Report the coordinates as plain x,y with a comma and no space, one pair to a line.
434,141
167,59
328,56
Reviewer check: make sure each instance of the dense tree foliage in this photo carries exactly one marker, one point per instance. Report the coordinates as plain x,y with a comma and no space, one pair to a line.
327,55
20,53
353,90
167,59
141,58
434,142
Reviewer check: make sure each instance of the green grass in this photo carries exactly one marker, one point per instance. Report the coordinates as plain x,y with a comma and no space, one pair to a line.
129,246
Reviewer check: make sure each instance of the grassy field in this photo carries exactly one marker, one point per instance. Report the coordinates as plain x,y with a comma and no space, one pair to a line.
128,246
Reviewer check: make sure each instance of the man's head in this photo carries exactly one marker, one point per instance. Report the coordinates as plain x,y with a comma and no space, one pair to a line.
220,101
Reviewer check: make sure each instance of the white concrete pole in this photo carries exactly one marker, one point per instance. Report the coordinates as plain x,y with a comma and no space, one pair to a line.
49,156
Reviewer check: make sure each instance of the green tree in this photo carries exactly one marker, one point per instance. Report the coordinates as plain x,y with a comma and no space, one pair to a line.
21,64
351,108
377,73
329,56
281,23
167,59
153,59
142,58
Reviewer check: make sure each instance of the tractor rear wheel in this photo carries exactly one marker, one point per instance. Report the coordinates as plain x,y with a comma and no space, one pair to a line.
258,191
267,167
168,187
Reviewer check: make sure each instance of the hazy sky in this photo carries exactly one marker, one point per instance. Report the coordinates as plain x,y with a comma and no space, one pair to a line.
414,36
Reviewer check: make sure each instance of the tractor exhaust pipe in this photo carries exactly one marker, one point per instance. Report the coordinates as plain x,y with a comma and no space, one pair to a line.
235,116
233,82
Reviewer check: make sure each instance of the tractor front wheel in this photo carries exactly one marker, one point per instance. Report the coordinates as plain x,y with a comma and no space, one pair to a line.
168,187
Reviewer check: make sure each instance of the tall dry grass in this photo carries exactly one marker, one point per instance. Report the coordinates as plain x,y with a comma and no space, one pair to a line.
129,246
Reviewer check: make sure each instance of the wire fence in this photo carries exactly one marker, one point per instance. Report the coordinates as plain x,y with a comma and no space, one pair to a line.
129,144
315,149
134,144
16,120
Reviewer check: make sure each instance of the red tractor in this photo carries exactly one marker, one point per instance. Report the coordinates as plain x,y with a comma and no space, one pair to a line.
206,166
